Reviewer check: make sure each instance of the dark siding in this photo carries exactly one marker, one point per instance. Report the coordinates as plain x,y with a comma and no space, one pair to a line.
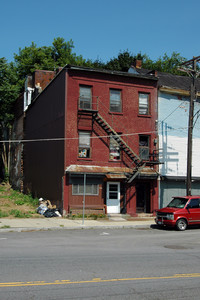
44,160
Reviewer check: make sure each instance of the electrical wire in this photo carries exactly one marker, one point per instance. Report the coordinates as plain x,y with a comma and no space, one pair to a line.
92,137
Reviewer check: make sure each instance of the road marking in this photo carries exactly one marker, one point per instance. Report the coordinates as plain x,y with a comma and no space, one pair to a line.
95,280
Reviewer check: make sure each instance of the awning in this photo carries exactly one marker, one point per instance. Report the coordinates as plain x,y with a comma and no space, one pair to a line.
108,171
116,176
148,173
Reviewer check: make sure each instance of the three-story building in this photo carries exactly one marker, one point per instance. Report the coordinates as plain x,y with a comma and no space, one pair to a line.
91,136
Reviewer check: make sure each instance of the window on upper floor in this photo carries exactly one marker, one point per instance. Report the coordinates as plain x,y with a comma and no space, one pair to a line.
144,104
85,97
84,144
115,100
114,149
144,147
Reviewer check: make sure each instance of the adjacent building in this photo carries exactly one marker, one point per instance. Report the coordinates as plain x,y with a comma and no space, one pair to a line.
173,115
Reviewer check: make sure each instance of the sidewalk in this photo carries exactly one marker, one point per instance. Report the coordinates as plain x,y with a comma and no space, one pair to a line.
36,224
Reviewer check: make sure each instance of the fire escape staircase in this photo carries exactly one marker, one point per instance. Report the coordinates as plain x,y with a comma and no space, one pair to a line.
139,164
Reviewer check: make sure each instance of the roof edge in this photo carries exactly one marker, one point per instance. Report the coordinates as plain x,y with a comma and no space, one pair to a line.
104,71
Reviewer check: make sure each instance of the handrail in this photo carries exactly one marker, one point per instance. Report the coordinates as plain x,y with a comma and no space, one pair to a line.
113,120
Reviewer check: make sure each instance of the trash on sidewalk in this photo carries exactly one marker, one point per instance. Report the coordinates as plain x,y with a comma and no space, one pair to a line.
46,209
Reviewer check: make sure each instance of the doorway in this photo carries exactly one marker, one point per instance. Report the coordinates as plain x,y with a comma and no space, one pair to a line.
113,197
143,197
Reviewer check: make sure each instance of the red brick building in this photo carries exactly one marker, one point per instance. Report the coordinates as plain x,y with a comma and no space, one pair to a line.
92,137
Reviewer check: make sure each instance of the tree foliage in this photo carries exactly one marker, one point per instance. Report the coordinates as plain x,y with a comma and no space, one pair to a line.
125,59
57,55
9,91
123,62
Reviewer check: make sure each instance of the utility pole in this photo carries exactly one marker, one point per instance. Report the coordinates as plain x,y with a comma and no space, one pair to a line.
190,67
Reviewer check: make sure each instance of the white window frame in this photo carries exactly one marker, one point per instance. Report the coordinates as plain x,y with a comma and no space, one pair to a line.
144,108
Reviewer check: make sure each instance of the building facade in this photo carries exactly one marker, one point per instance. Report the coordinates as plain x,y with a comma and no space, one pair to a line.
93,142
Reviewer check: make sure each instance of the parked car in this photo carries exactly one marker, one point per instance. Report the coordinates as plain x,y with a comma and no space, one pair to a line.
180,212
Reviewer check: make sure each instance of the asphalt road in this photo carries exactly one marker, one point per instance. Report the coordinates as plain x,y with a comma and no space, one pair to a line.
100,264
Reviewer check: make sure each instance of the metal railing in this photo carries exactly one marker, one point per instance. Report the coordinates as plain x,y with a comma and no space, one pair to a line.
113,119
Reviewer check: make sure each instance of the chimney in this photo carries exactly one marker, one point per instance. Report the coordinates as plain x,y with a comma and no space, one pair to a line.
138,63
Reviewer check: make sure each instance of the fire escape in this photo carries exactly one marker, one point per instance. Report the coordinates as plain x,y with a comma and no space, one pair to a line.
134,162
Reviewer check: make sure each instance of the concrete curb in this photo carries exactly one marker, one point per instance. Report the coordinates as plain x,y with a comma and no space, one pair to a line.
74,228
28,225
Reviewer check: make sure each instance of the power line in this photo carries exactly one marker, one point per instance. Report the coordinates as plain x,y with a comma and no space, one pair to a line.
92,137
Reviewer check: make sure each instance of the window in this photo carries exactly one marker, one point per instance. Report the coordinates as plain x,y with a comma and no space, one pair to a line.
144,147
90,189
194,203
143,104
85,97
113,192
115,100
114,149
84,145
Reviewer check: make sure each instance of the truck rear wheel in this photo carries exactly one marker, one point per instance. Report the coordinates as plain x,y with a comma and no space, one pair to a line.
181,224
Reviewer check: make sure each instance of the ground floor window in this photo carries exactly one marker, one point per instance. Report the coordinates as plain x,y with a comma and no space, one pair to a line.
90,189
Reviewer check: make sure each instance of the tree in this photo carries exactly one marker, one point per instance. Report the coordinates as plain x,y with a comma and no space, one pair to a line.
9,91
125,59
122,63
168,64
62,53
59,54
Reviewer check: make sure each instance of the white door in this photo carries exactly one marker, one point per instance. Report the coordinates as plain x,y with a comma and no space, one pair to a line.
113,197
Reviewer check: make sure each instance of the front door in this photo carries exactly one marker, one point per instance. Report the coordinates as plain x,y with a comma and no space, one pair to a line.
143,198
113,197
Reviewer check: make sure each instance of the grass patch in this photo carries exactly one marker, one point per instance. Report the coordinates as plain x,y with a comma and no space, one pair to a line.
19,214
5,226
22,199
3,214
87,216
14,204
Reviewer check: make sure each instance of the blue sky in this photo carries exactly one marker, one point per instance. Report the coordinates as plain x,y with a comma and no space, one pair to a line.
102,28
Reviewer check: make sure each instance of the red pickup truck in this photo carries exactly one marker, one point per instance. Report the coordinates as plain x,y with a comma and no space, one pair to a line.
180,212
